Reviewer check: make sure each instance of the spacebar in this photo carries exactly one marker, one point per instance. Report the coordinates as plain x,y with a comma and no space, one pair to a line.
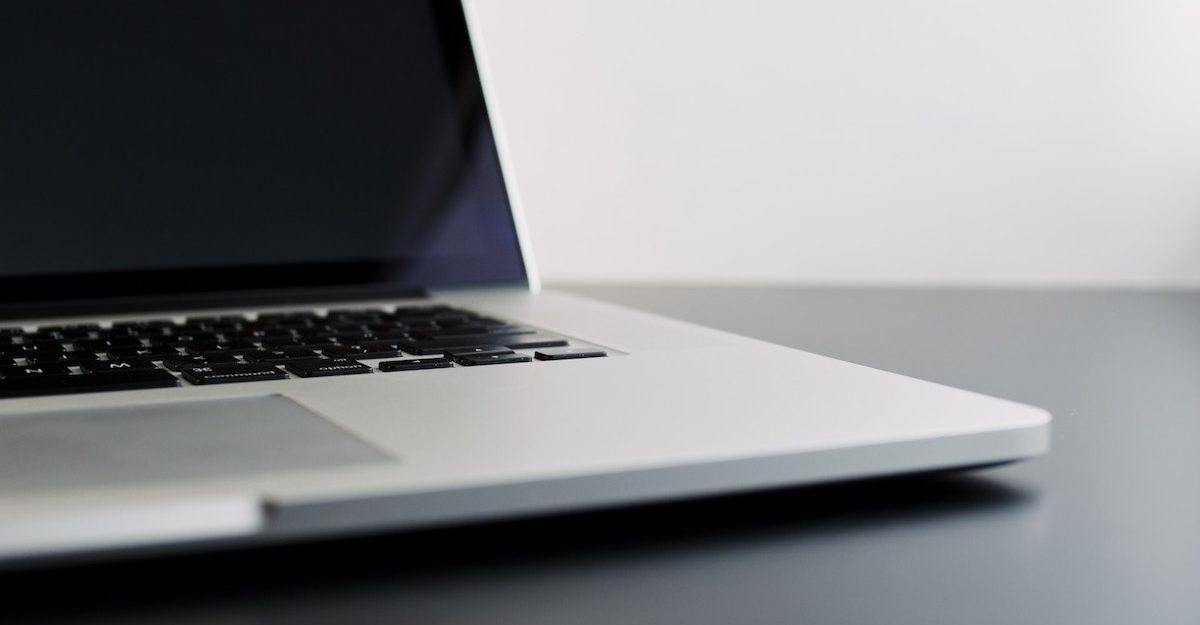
131,379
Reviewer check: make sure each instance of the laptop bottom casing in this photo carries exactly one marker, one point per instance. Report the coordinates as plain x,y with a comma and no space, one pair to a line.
674,411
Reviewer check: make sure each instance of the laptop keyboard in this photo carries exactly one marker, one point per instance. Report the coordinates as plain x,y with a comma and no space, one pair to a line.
85,358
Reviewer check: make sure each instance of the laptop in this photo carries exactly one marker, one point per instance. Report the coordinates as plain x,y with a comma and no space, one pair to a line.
265,280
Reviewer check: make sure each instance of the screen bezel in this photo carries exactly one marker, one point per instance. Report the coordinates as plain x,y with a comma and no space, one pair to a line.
214,287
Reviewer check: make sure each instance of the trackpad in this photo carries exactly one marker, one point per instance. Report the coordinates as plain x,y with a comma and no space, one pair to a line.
170,441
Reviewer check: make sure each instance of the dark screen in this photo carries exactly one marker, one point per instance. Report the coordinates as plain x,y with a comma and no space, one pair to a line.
247,144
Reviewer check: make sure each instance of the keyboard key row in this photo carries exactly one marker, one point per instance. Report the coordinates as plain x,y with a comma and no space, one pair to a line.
56,379
281,351
58,384
80,358
415,364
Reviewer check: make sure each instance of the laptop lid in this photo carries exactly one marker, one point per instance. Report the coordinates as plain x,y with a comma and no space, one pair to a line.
202,151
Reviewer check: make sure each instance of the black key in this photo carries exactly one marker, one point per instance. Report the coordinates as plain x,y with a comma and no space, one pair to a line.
17,351
361,352
322,367
149,352
225,374
183,361
414,364
78,358
470,360
46,357
281,355
569,353
29,350
101,366
47,369
92,345
24,386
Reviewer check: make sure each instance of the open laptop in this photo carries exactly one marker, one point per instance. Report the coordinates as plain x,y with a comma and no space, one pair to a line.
265,279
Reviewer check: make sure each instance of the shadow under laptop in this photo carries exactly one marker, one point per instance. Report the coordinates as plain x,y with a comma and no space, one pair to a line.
653,557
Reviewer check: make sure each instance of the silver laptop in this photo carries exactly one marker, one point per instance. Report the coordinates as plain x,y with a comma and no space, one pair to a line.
265,279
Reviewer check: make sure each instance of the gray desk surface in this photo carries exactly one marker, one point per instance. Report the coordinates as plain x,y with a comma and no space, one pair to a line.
1106,529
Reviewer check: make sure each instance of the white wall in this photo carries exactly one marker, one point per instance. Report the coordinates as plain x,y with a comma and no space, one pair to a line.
860,141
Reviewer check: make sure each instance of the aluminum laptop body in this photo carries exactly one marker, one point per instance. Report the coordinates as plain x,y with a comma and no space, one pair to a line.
291,220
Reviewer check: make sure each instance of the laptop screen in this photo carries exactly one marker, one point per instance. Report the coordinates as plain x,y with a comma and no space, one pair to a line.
152,147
